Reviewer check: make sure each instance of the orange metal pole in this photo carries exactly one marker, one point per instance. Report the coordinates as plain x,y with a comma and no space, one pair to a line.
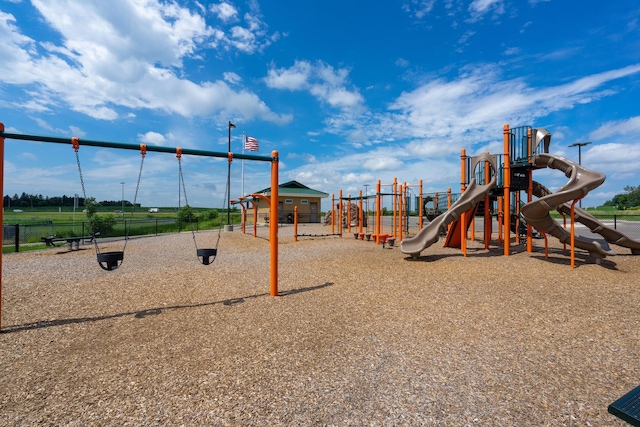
530,191
273,224
507,195
487,211
421,215
401,210
395,202
295,223
378,213
349,213
360,216
244,218
463,187
255,218
340,207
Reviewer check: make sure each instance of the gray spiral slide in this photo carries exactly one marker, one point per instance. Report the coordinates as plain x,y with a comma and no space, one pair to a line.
431,233
611,235
581,181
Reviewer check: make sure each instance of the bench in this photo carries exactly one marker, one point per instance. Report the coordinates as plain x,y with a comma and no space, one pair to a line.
627,408
71,241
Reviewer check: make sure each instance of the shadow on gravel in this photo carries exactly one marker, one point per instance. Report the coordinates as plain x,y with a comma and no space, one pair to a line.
150,311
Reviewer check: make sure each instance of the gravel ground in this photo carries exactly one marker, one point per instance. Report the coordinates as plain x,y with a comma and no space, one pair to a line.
359,336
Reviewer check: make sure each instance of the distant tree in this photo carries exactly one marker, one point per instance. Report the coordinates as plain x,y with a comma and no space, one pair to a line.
626,200
186,214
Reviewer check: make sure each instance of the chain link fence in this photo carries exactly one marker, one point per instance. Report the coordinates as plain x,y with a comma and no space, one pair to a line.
33,233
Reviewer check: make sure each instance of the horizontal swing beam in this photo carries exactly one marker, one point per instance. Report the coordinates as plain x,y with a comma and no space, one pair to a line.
136,147
274,159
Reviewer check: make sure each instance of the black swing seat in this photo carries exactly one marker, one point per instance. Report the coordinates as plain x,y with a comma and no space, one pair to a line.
110,260
207,256
627,408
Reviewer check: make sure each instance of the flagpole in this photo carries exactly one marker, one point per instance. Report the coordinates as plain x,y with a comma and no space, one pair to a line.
244,142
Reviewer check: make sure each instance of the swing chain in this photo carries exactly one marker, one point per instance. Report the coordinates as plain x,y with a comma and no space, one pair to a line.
143,152
75,142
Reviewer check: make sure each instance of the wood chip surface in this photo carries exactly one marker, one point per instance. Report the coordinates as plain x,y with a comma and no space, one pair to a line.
359,336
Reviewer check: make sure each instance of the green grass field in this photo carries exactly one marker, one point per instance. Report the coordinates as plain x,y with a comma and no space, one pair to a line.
40,222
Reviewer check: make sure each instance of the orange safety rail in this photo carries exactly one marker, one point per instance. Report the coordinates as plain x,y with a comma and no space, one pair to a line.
529,191
340,207
360,216
295,223
1,210
378,213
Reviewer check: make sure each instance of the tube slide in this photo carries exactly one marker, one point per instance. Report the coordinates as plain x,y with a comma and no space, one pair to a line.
431,233
611,235
581,181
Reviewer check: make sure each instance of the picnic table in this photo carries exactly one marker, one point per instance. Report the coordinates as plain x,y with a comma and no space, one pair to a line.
71,241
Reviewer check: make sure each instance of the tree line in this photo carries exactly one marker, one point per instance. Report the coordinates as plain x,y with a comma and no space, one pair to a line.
37,201
630,199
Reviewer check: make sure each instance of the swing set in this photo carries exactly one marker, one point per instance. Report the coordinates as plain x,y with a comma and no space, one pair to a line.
111,260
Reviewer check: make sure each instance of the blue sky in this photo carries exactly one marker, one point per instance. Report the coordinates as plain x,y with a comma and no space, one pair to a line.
347,92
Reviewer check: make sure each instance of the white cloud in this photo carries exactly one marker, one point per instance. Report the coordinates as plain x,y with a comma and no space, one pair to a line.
401,62
419,8
224,11
512,51
623,127
129,58
294,78
479,8
442,116
153,138
232,78
618,161
76,131
321,80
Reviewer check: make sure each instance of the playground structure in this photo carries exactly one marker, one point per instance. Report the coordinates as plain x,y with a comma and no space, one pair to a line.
491,186
342,216
501,178
108,262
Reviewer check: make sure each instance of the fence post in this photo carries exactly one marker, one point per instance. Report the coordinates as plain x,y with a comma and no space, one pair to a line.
156,226
615,221
17,237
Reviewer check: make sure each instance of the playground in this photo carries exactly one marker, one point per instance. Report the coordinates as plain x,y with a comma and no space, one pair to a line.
359,335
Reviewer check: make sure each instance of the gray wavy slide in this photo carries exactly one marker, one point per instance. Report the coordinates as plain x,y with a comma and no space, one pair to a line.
581,181
611,235
432,231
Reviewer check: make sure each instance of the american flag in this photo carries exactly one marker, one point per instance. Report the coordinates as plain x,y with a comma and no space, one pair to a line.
251,144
